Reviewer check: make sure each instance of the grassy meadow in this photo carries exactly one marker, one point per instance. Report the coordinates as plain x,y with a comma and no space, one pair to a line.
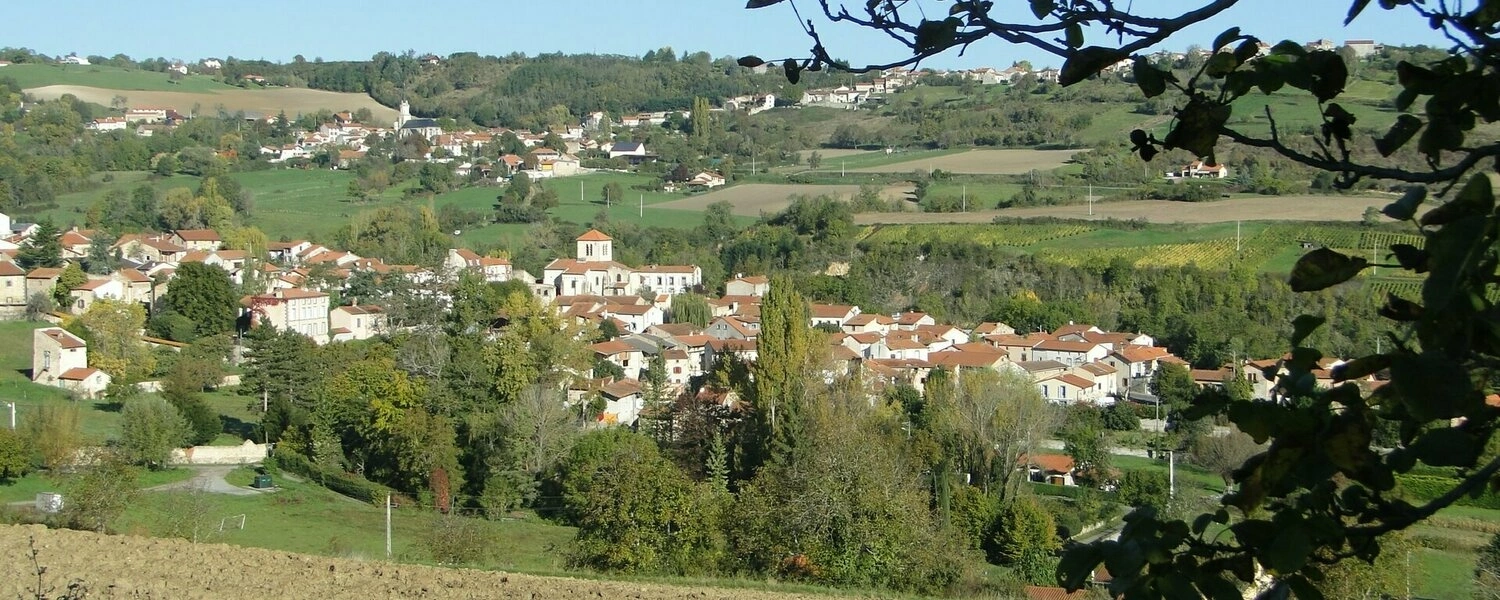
102,76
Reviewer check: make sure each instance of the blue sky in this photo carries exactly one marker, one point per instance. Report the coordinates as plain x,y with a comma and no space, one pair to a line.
279,29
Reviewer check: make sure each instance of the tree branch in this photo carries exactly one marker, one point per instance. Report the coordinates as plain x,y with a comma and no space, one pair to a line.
1434,176
1468,485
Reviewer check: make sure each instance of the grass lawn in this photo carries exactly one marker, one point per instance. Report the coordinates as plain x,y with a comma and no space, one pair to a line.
980,195
302,517
1443,573
72,206
26,488
115,78
1189,477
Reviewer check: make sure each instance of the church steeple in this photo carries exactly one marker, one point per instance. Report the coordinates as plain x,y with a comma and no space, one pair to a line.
405,114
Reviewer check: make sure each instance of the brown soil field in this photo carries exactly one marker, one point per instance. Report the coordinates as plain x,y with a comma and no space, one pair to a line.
832,152
118,566
983,162
752,199
1269,208
294,101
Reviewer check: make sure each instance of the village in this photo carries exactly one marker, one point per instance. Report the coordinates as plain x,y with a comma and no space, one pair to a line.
1077,363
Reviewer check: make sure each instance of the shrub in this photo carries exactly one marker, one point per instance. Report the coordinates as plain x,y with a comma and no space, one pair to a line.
348,484
454,540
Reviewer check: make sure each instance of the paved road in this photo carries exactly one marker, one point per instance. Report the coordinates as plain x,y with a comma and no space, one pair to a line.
208,479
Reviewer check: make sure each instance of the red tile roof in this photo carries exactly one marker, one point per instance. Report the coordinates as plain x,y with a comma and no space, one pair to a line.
63,338
594,235
830,311
198,235
78,373
612,347
1051,463
1036,592
9,269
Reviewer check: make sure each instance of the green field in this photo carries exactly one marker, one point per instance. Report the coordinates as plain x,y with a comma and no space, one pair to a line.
114,78
314,203
1269,247
880,159
303,517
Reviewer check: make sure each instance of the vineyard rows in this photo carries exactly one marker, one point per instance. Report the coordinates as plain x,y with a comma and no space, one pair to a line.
1010,234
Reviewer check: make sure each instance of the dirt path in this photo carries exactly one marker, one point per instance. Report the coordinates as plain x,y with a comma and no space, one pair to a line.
118,566
208,479
1268,208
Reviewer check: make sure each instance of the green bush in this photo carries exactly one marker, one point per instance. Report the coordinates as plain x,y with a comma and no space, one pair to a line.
348,484
1420,489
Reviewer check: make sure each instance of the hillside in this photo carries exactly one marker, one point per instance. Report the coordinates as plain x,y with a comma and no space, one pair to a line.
129,566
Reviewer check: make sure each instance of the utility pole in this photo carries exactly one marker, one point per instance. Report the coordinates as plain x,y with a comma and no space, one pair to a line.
1236,237
964,197
1171,474
1091,199
643,206
12,406
387,526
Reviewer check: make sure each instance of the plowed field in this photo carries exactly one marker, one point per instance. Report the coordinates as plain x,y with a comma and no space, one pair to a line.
112,566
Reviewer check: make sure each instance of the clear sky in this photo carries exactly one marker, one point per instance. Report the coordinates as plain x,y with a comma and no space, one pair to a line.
280,29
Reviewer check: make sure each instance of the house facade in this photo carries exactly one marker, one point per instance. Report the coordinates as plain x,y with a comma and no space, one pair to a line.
61,359
292,309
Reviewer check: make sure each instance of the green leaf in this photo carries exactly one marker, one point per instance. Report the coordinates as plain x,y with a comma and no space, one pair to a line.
1074,35
1077,565
1361,367
1416,79
1223,39
1042,8
1288,48
1215,587
1400,309
1477,198
1304,589
1288,550
1400,133
761,3
1324,268
1304,325
1151,80
1406,208
1087,62
1429,385
1197,127
1441,134
1446,447
751,61
1358,7
1412,258
1221,64
1247,50
1138,137
793,71
1329,72
933,35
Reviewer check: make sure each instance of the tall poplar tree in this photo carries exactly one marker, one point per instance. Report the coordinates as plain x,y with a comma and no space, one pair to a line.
781,371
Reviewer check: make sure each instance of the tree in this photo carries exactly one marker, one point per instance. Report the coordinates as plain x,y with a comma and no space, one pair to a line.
814,160
38,305
71,277
1278,504
113,334
613,193
1087,440
42,249
149,430
1025,537
15,455
182,388
691,308
100,259
642,515
1145,488
204,294
786,356
98,493
55,433
1223,454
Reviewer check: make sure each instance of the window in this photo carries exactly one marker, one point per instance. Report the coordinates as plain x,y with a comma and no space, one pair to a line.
676,370
46,360
1062,392
588,249
1044,392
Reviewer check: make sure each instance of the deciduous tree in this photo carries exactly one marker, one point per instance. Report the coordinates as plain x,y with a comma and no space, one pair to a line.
114,339
205,295
150,429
